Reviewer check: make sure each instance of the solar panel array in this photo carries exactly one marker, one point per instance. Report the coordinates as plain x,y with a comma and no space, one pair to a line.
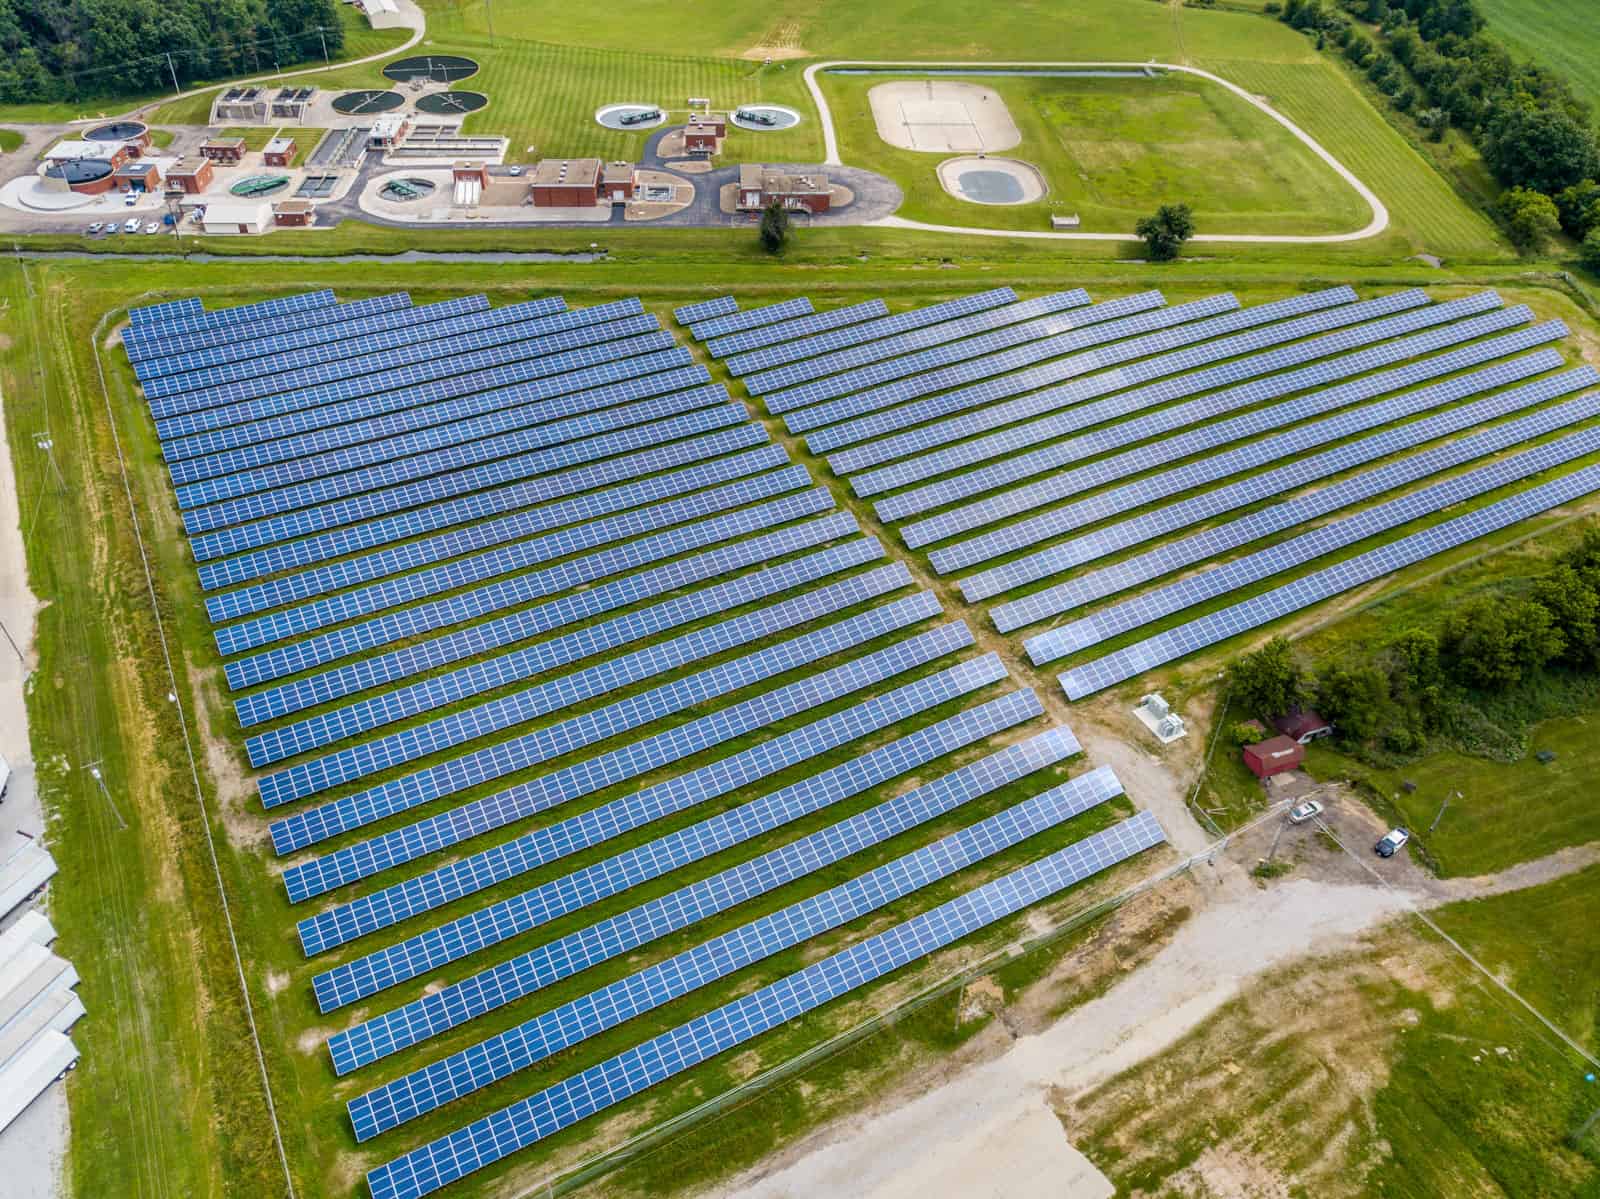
530,1120
479,1065
471,566
1039,459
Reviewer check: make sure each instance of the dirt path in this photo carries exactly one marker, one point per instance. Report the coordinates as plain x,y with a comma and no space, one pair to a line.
991,1131
1516,878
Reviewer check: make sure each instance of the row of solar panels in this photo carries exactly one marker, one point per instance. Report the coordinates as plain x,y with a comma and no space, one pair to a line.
963,423
669,551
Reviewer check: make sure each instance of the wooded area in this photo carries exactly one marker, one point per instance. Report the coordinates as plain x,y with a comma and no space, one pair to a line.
72,49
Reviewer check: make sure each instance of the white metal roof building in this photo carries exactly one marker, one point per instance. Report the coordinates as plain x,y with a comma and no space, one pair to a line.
24,868
237,216
22,1080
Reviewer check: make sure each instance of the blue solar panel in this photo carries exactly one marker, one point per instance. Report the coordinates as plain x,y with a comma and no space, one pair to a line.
327,647
480,505
669,746
304,455
423,893
1247,373
573,647
510,981
538,336
1324,584
425,952
521,1046
1193,332
703,310
1119,501
754,339
922,349
977,358
154,355
442,447
622,716
839,339
328,727
423,404
1296,551
750,318
630,519
240,317
490,926
252,359
1176,445
1351,321
1060,558
314,407
155,314
208,541
496,1136
448,576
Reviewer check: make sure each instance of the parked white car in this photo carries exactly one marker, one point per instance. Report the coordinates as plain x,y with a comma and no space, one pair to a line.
131,225
152,227
1306,811
1392,842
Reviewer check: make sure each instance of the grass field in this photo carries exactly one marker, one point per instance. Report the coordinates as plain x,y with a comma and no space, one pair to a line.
1560,34
124,722
1112,150
952,30
1393,1070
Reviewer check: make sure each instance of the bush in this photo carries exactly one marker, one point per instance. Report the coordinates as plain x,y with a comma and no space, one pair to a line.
1530,218
1589,254
1266,682
774,227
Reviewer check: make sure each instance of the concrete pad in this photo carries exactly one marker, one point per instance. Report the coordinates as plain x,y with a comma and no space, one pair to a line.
939,116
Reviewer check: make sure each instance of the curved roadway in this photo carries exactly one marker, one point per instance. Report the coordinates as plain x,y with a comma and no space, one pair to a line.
1380,214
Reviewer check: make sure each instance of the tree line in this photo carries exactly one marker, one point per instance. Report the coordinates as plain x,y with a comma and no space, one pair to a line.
58,50
1434,681
1434,61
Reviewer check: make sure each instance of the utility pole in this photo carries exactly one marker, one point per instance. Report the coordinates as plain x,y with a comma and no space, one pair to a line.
488,16
326,60
176,89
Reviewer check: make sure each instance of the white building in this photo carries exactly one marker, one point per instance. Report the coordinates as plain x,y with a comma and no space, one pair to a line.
228,214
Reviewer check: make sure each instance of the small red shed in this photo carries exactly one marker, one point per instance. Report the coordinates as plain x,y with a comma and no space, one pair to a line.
1273,756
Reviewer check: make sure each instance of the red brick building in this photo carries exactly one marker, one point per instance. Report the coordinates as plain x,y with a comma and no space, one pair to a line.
191,178
82,151
617,182
226,150
1273,756
140,175
760,186
294,213
280,152
565,183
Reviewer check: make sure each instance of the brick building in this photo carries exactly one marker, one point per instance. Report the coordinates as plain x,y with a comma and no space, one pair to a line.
565,183
760,186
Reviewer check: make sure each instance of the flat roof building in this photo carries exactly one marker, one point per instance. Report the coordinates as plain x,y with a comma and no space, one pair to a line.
760,186
76,150
228,215
617,182
191,177
140,175
294,213
279,152
565,183
225,150
388,132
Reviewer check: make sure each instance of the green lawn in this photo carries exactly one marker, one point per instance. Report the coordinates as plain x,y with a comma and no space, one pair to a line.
1498,813
1425,214
950,30
1112,150
1563,35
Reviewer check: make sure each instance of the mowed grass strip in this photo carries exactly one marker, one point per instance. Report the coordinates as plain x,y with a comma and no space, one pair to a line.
1112,150
954,30
1422,208
1563,35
